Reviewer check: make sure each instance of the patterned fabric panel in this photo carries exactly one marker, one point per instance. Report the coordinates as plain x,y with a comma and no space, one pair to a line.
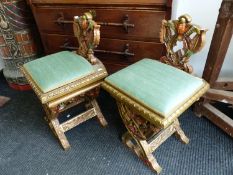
160,87
53,71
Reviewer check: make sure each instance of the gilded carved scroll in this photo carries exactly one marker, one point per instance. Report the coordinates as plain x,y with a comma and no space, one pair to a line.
191,36
88,34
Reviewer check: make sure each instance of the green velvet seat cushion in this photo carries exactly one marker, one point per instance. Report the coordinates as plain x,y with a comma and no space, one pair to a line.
159,87
55,70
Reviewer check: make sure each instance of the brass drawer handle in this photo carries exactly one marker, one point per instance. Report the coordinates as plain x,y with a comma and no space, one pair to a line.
125,53
67,46
125,22
61,20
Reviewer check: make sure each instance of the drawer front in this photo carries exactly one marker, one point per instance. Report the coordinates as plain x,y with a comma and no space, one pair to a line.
127,51
115,23
54,43
110,51
111,67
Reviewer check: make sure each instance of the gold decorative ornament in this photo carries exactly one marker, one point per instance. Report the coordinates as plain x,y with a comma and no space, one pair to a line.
87,32
191,36
147,129
82,90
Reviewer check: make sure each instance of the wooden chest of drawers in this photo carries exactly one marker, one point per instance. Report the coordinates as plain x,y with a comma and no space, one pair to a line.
129,29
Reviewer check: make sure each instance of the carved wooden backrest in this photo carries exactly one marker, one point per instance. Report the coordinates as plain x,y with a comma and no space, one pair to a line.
181,31
88,34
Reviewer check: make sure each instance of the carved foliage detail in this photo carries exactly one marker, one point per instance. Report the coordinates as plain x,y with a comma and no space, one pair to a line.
181,31
88,34
139,127
87,96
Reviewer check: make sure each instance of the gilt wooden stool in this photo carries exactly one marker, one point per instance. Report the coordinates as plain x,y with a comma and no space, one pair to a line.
152,95
65,79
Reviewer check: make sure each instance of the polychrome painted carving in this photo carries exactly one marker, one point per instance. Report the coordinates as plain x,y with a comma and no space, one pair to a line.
181,31
82,90
146,129
88,34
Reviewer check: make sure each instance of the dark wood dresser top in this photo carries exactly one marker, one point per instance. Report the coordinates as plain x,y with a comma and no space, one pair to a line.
129,29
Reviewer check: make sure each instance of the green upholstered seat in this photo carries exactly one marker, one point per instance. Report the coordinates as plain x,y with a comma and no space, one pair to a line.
55,70
159,87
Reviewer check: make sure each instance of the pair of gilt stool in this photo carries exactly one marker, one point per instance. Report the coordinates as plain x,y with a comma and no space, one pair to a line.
152,95
66,79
